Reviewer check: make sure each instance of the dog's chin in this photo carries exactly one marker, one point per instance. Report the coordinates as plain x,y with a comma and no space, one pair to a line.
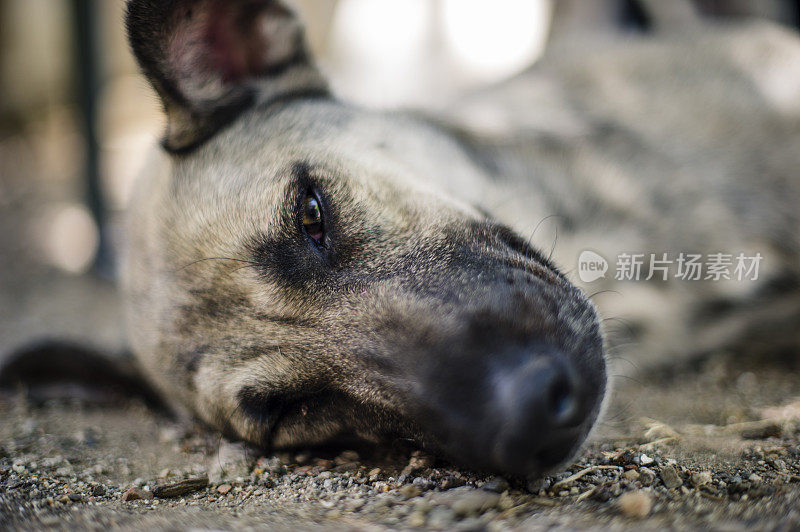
328,420
295,432
325,418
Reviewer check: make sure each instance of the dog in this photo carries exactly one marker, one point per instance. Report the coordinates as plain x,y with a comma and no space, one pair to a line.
300,269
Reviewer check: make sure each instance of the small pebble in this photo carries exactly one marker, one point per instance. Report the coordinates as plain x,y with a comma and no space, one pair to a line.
475,502
136,493
669,475
701,478
356,505
409,491
417,462
417,520
223,489
631,475
536,485
646,476
452,481
635,504
441,518
423,483
178,489
496,484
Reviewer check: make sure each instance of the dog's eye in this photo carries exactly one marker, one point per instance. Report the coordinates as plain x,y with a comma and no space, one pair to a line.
312,218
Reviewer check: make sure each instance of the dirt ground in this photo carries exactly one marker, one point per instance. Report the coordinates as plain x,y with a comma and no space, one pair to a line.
717,446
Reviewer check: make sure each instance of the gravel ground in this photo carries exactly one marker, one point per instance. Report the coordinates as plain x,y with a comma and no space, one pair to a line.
724,454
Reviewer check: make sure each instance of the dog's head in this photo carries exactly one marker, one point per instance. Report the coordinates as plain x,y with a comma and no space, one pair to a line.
302,269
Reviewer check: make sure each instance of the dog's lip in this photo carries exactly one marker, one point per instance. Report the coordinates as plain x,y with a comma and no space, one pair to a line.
277,418
267,410
288,407
272,427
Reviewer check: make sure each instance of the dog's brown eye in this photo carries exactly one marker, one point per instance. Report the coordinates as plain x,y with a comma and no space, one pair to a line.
312,218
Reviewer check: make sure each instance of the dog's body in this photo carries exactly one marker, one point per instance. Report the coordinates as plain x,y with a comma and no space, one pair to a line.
299,269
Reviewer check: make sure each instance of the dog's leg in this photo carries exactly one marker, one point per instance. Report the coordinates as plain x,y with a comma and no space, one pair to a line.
60,370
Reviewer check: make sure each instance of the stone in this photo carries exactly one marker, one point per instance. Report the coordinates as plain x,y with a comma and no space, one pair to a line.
496,484
631,475
178,489
409,491
646,476
441,518
136,493
475,502
701,478
670,477
452,481
635,504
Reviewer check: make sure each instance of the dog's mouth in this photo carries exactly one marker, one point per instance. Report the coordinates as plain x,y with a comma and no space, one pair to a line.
330,418
281,419
319,417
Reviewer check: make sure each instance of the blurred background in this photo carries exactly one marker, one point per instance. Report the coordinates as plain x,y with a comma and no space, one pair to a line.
77,121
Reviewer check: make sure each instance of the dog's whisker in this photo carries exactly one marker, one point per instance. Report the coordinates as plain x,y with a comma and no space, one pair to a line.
623,323
553,247
625,359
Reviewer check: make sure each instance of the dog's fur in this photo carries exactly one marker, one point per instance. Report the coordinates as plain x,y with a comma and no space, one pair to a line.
426,297
429,310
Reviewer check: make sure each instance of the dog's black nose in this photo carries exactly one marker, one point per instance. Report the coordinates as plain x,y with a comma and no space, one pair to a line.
539,408
520,413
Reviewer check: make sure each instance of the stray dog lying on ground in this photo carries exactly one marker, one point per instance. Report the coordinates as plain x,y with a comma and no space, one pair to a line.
301,269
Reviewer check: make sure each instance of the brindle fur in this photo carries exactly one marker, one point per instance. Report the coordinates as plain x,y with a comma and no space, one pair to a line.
435,276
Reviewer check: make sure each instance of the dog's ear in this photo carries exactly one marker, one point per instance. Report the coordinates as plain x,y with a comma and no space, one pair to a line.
211,59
